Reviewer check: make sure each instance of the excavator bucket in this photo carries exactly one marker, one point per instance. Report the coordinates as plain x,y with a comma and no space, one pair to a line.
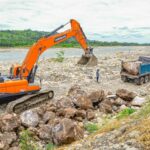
88,60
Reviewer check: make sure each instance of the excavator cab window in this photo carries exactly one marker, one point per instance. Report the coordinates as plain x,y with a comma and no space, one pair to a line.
1,79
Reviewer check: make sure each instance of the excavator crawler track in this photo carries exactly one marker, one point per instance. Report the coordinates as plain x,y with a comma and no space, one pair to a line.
29,101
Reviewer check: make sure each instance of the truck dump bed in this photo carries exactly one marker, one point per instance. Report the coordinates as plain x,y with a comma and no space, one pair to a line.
139,70
139,67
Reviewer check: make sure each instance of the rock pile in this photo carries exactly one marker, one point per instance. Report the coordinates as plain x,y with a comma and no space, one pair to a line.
61,121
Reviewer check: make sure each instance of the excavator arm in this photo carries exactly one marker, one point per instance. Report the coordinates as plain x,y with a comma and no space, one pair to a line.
50,40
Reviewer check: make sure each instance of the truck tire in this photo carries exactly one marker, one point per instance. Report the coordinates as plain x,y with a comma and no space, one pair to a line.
146,79
124,78
137,81
141,80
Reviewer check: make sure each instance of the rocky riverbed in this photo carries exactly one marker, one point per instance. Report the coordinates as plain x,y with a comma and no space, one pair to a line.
61,76
83,100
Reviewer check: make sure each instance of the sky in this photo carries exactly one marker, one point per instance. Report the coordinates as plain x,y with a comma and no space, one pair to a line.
104,20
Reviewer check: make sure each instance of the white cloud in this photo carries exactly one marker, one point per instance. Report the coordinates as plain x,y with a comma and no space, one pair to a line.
95,16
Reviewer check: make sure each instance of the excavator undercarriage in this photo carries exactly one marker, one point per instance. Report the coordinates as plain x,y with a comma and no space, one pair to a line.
29,101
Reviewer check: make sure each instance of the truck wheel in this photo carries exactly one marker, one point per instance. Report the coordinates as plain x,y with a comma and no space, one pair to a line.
137,81
124,78
146,79
142,80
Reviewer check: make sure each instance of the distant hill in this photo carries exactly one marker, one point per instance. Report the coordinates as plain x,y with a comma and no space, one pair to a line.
23,38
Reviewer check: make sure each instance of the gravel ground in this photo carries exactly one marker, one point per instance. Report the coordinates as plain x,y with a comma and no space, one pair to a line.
61,76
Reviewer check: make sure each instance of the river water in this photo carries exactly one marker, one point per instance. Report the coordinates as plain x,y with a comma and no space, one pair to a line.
19,54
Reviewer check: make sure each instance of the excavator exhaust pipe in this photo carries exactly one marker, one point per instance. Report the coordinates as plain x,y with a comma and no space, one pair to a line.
90,60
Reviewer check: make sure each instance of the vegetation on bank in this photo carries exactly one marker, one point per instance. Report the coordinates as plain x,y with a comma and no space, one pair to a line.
22,38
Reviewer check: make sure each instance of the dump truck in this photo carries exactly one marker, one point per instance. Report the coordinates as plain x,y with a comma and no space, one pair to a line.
137,71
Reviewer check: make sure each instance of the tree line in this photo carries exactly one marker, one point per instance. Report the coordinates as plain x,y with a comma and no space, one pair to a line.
23,38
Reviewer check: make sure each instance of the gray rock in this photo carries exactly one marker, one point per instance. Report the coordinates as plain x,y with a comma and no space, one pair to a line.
138,101
45,132
134,134
48,116
29,118
115,108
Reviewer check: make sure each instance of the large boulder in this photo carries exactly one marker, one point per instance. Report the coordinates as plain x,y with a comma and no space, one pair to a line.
75,90
9,122
90,114
106,106
81,113
6,139
131,67
64,103
97,96
66,131
70,112
138,101
125,94
119,102
45,132
29,118
48,115
82,102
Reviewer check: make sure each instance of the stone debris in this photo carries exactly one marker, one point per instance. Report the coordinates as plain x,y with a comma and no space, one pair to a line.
62,121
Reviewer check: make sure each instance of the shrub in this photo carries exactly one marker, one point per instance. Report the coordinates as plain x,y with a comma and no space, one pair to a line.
60,56
26,141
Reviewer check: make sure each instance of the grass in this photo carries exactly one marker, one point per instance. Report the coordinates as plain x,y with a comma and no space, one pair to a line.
125,113
26,141
91,127
144,128
50,146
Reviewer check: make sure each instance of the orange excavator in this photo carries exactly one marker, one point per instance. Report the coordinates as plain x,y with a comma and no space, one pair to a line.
18,88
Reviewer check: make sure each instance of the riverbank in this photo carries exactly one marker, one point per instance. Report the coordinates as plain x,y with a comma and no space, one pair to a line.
15,55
